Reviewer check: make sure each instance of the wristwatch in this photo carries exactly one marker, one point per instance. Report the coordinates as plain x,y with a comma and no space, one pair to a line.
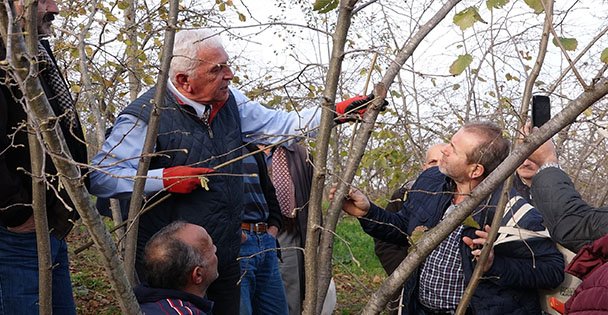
547,165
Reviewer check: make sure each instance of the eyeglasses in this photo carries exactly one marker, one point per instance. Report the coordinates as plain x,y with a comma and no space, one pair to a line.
217,67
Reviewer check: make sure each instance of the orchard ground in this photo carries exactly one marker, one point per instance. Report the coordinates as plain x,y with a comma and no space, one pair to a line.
356,279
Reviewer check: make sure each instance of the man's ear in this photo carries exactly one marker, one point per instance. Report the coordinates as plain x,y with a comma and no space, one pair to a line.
181,80
477,171
197,275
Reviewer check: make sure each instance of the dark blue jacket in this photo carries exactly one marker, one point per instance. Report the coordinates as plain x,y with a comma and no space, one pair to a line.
519,268
154,301
184,139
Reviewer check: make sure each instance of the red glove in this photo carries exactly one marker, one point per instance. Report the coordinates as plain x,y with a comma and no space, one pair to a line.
183,179
354,107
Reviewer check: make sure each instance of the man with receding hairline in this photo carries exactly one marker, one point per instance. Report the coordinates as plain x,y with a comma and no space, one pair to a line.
181,264
515,270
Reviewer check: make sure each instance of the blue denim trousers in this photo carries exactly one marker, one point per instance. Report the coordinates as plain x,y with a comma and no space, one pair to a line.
19,275
262,290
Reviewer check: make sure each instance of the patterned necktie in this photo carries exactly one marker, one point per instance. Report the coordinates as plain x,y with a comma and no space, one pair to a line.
51,76
283,183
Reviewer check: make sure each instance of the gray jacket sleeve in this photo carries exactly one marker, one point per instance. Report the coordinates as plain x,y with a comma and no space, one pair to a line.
570,220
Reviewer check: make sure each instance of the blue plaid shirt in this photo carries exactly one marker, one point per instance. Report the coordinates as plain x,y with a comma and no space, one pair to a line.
441,282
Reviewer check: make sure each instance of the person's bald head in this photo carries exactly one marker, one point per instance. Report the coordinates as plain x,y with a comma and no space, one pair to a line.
433,155
181,256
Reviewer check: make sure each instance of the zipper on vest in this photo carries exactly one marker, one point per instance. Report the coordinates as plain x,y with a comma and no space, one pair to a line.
205,120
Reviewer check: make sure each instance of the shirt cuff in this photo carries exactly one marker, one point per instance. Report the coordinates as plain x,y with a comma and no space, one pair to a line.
154,182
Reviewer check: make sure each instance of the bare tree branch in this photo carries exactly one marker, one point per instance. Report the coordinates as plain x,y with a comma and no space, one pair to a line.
40,110
150,141
361,140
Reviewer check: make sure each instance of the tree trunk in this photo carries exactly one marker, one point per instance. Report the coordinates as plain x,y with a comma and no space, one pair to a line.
150,141
117,219
43,242
133,65
311,304
540,59
37,156
363,135
87,85
485,252
20,64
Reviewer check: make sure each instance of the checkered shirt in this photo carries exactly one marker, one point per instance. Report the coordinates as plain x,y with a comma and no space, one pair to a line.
441,283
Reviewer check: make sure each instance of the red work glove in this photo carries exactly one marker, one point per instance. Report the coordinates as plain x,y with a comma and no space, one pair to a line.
183,179
353,108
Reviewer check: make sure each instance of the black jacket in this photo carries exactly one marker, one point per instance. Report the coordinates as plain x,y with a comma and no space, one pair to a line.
300,167
15,165
570,220
389,254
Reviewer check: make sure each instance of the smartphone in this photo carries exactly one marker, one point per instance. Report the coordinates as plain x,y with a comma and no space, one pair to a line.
541,110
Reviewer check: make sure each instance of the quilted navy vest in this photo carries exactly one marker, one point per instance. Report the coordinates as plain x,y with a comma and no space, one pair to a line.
183,139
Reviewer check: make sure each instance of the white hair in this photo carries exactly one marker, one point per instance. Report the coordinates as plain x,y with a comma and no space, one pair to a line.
187,44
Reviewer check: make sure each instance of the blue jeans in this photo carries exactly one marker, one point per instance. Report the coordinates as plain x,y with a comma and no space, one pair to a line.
262,290
19,275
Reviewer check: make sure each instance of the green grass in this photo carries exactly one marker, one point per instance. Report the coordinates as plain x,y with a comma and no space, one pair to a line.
92,291
354,249
357,271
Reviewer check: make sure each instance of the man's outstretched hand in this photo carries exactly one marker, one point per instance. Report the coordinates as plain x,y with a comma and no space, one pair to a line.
353,108
183,179
355,204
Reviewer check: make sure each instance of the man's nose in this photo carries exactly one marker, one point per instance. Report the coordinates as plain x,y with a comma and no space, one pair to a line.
228,74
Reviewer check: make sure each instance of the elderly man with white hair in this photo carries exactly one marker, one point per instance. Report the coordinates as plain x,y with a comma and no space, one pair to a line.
203,123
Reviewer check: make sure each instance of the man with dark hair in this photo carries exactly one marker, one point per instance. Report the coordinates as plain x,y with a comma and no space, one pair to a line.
18,245
181,264
491,148
517,268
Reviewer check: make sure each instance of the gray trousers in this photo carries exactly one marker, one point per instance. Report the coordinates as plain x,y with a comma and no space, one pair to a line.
292,270
292,273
